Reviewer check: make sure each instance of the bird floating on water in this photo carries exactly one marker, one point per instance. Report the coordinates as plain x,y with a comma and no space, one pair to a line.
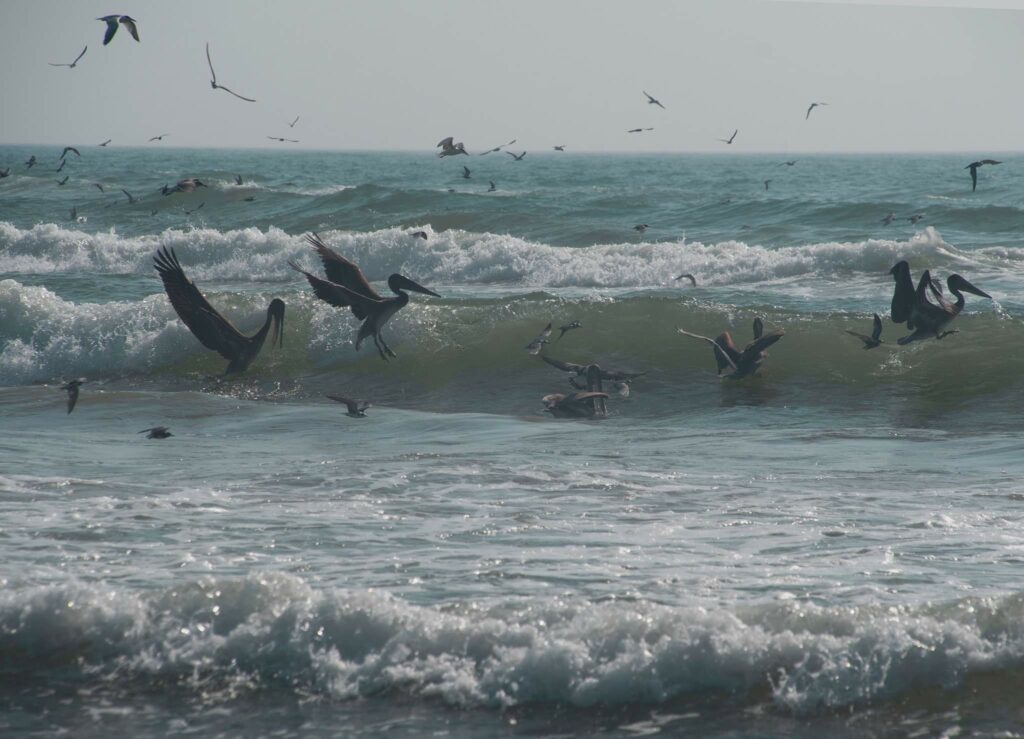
210,327
870,342
449,148
215,86
72,387
568,327
74,63
347,287
973,166
125,20
538,343
652,101
744,363
924,318
356,408
518,158
812,107
731,138
157,432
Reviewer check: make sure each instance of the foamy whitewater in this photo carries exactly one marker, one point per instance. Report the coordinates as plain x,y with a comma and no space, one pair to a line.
832,548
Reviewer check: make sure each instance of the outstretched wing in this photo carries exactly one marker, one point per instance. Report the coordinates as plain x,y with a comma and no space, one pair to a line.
339,295
240,97
761,343
210,62
722,356
876,328
129,23
111,22
342,271
579,369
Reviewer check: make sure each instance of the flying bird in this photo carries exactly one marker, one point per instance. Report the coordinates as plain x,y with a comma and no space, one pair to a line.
730,139
744,363
210,327
70,148
74,213
356,408
106,142
691,278
560,147
812,107
72,65
112,21
973,166
641,227
582,370
61,182
496,148
160,137
889,218
419,235
62,163
492,188
238,179
870,342
568,327
789,163
449,148
98,186
652,101
465,173
198,207
31,162
915,218
538,343
283,140
189,184
213,82
292,124
131,199
638,130
5,172
72,389
518,158
157,432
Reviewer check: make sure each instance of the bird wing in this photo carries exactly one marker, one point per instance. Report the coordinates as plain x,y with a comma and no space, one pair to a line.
758,345
989,161
342,271
690,277
292,124
111,22
863,337
210,62
809,111
339,295
130,198
511,154
72,396
722,357
240,97
353,405
446,143
564,366
80,55
210,327
129,23
876,328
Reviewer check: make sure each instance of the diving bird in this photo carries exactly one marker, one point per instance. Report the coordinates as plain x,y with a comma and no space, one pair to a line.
131,199
448,148
210,327
70,148
465,173
870,342
691,278
106,142
356,408
125,20
973,166
568,327
638,130
812,107
581,370
157,432
495,149
492,188
189,184
292,124
518,158
72,389
213,82
560,147
72,65
160,137
31,162
652,101
283,140
347,287
538,343
924,318
576,405
744,363
731,138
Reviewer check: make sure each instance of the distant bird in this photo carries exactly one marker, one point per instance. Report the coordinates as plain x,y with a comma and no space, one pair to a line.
766,182
112,21
492,188
812,107
973,166
912,306
282,140
465,173
577,405
744,363
568,327
641,227
61,182
72,65
560,147
292,124
198,207
63,162
72,389
160,137
915,218
652,101
347,287
638,130
210,327
213,82
106,142
581,370
518,158
870,342
31,162
419,235
448,148
538,343
5,173
70,148
731,138
238,179
889,218
356,408
189,184
789,163
98,186
131,199
495,149
691,278
157,432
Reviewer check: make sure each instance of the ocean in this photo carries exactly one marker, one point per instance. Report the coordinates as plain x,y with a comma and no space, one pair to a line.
834,546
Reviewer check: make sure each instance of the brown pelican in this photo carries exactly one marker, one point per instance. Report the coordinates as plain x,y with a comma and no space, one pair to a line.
72,389
537,344
568,327
731,138
347,287
870,342
912,306
213,82
356,408
577,405
812,107
72,65
518,158
973,166
580,370
744,363
651,100
559,147
112,20
449,148
210,327
691,278
157,432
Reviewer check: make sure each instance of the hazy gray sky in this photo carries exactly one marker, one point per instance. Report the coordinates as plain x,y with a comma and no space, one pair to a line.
402,74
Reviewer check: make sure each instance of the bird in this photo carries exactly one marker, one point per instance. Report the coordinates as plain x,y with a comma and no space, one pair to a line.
889,218
61,182
538,343
448,148
744,363
70,148
98,186
492,188
576,405
973,166
347,287
292,124
31,162
638,130
238,179
157,432
282,140
915,218
912,306
72,389
160,137
691,278
465,173
812,107
518,158
730,139
788,163
568,327
766,182
198,207
419,235
213,82
131,199
559,147
210,327
495,149
188,184
249,199
63,162
74,213
652,101
74,63
106,142
641,227
356,408
125,20
582,370
870,342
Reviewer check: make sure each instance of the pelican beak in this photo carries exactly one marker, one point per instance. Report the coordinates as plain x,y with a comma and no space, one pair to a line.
416,287
965,285
279,332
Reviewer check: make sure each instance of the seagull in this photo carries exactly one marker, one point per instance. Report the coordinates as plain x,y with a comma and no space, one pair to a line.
106,142
61,182
537,344
448,148
638,130
356,408
492,188
157,432
282,140
31,162
691,278
213,82
870,342
652,101
98,186
568,327
560,147
730,139
72,65
465,173
112,20
517,158
70,148
131,199
72,390
766,184
160,137
973,166
889,218
812,107
641,227
292,124
496,148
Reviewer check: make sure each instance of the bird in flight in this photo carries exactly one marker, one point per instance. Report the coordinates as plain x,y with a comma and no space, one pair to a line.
812,107
973,166
72,65
641,227
112,20
465,173
870,342
356,408
638,130
5,173
788,163
64,181
691,278
278,138
62,163
215,86
157,432
496,148
766,182
538,343
160,137
448,148
292,124
106,142
518,158
889,218
30,162
730,139
560,147
72,390
652,101
67,149
492,188
568,327
131,198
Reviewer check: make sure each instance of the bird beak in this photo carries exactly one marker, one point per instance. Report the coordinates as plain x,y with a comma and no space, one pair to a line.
278,333
965,285
416,287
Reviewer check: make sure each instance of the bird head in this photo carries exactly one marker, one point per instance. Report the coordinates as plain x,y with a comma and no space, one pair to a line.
956,282
399,282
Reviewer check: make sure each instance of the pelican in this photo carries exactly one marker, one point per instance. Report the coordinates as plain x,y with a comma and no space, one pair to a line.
652,101
210,327
518,158
580,370
731,138
72,389
912,306
157,432
537,344
870,342
691,278
577,405
112,20
70,148
74,63
449,148
812,107
213,82
973,166
356,408
568,327
347,287
744,363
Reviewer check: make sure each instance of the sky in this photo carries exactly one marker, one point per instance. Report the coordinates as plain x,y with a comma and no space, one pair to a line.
403,74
